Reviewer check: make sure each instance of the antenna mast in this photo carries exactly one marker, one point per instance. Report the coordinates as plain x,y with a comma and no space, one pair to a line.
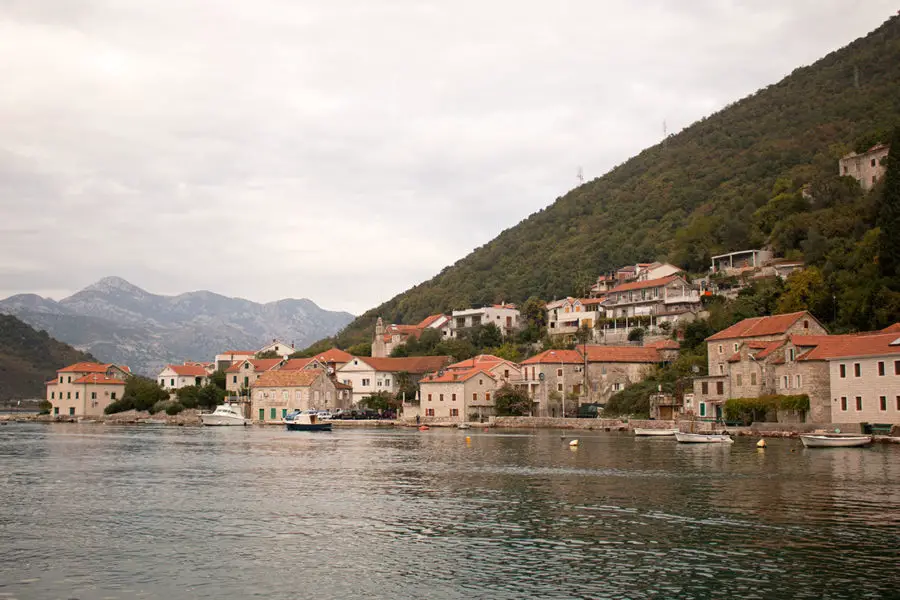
580,176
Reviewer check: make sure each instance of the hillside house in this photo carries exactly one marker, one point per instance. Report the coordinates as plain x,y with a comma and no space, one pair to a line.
389,337
735,263
667,298
85,389
655,270
867,167
567,316
230,357
175,377
278,347
333,359
369,375
242,375
275,394
505,316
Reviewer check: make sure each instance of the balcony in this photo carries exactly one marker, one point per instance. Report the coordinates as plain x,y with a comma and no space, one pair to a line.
690,297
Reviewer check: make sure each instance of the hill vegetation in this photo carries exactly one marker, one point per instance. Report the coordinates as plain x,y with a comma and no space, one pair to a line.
732,181
28,358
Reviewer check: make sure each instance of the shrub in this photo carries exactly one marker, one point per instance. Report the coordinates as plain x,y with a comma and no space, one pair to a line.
118,406
174,408
748,410
45,407
636,334
188,396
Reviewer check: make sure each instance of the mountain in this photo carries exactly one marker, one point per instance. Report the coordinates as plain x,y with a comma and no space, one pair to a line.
122,323
693,195
29,357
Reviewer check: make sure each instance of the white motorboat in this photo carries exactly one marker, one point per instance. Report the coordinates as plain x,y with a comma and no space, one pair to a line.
463,426
654,432
225,414
703,438
835,441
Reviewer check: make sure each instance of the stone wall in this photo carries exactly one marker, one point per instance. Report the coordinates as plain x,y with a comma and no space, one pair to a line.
597,424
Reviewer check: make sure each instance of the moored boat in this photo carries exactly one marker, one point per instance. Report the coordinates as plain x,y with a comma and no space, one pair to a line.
835,441
704,438
463,426
305,421
225,414
654,432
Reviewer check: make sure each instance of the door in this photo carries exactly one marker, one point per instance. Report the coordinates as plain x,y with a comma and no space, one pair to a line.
718,412
262,414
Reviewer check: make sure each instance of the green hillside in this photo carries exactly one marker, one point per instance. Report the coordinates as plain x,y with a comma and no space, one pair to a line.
728,182
29,357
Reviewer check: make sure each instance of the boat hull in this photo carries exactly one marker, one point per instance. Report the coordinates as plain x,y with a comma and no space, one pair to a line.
654,432
824,441
308,426
701,438
211,420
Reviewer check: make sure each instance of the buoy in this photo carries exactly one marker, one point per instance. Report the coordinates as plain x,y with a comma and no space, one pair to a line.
761,444
468,440
423,428
573,443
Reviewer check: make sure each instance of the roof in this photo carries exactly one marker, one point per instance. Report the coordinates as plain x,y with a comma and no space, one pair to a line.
428,321
296,364
856,345
895,328
292,378
85,367
555,357
98,379
240,352
455,376
482,360
759,326
187,370
335,355
623,354
411,364
772,347
664,345
650,283
590,301
259,364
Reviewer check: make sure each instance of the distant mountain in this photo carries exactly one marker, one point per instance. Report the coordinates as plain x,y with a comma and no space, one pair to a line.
122,323
29,357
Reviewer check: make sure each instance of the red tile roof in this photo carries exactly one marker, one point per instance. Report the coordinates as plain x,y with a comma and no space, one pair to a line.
771,347
188,370
427,321
664,345
639,285
624,354
287,378
296,364
240,352
895,328
482,360
335,355
259,364
85,367
455,376
411,364
759,326
556,357
851,346
98,379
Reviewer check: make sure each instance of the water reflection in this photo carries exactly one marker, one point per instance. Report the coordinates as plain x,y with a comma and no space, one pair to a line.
93,511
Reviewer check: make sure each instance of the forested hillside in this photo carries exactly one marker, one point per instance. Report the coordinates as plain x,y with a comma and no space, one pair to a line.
731,181
28,358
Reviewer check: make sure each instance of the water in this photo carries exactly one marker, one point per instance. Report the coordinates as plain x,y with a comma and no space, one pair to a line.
92,511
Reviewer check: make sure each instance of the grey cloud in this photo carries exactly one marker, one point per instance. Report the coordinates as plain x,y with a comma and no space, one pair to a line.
343,151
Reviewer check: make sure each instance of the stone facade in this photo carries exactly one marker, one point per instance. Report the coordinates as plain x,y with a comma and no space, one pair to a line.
867,168
278,393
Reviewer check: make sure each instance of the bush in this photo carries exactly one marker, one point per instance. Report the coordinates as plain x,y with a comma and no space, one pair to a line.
510,401
174,408
159,407
636,334
45,406
118,406
188,396
748,410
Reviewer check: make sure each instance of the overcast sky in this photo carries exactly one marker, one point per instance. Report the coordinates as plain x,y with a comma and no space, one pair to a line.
345,150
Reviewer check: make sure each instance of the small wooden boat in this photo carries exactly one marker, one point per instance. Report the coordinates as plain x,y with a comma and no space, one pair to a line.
424,428
704,438
306,421
835,441
654,432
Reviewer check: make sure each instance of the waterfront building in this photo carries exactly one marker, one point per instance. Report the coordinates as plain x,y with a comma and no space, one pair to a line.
458,395
369,375
240,376
611,369
276,393
85,389
553,376
174,377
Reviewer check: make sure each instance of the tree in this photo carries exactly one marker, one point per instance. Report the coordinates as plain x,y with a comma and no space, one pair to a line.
406,389
210,396
806,290
512,402
218,379
361,349
142,393
267,354
189,396
509,351
636,334
380,401
534,319
888,217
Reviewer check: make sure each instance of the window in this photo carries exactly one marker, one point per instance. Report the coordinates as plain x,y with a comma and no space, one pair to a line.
112,395
618,387
366,381
474,396
71,410
273,413
720,387
882,402
797,381
898,402
481,382
234,379
454,412
69,379
735,347
56,408
720,348
429,397
68,395
285,395
429,412
60,379
506,374
791,354
52,395
857,370
704,388
897,367
93,395
172,382
859,403
881,368
559,372
843,371
703,409
721,369
872,163
441,397
76,395
739,380
162,382
452,397
844,403
299,394
805,324
487,396
752,378
387,383
785,382
559,387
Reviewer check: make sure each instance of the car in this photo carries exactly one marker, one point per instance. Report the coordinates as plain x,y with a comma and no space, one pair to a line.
325,415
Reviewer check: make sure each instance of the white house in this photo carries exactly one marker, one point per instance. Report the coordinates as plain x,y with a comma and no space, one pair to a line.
505,316
369,375
174,377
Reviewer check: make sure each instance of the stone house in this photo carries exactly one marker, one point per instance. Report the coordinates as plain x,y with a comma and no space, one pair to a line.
175,377
503,370
457,395
243,374
389,337
553,376
611,369
369,375
85,389
275,394
867,168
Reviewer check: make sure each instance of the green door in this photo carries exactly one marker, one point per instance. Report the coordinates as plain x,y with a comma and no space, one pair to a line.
283,413
273,413
262,414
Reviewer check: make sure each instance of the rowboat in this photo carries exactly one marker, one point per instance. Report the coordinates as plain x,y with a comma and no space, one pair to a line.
703,438
835,441
654,432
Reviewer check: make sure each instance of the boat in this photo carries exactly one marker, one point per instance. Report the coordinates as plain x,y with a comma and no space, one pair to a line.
225,414
463,426
703,438
835,441
655,432
306,421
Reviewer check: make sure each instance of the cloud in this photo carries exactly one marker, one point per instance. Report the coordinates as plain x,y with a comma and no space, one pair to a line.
343,151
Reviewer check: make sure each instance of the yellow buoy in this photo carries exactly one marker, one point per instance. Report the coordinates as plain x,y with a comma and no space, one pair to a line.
468,440
761,444
573,443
